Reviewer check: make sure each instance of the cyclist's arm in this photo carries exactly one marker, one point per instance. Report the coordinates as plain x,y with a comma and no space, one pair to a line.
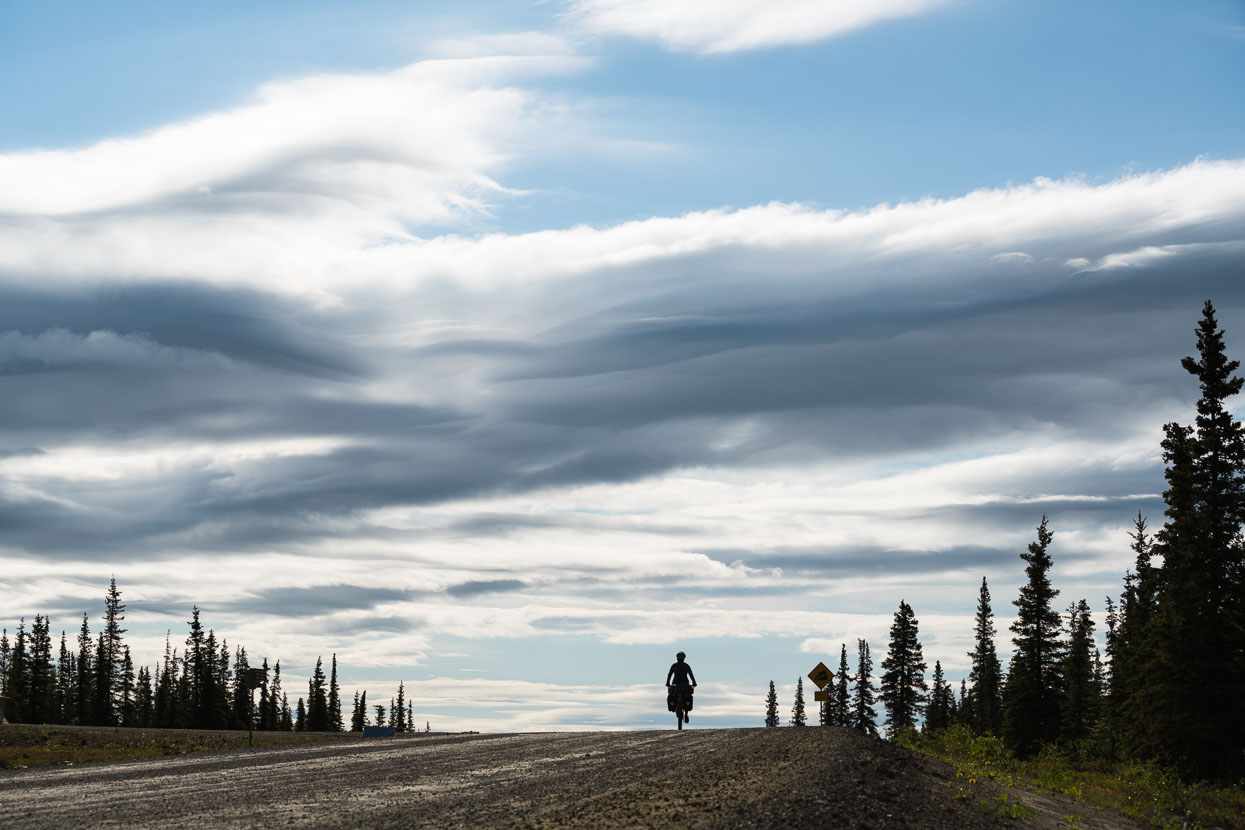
669,674
692,675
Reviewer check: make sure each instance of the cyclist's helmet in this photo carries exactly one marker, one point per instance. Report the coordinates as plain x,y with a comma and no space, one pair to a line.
680,656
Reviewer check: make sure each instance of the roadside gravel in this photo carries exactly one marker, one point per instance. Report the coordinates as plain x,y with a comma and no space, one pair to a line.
746,778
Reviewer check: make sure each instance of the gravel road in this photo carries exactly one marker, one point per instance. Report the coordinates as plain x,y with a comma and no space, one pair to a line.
695,778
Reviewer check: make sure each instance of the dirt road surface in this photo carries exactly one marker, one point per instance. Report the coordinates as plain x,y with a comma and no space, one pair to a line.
727,778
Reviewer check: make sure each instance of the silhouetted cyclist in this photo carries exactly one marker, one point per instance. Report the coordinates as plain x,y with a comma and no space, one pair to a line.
684,679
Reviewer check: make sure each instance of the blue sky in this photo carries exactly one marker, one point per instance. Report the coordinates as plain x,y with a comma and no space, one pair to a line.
490,345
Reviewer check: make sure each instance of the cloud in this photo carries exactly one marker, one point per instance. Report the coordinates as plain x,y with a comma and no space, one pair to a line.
280,378
735,25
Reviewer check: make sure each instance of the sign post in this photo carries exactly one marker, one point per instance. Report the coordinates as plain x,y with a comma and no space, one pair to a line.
821,675
254,678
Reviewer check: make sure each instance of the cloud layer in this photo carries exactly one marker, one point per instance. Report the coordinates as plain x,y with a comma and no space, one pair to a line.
734,25
266,361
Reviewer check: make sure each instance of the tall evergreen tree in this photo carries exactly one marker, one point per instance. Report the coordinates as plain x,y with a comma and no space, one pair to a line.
108,659
864,716
287,723
300,723
985,703
399,709
199,674
380,715
242,694
125,688
797,709
941,702
280,706
317,700
1189,711
18,684
144,700
62,705
264,720
84,688
356,713
1032,694
903,679
6,657
41,674
771,706
335,703
1080,698
842,698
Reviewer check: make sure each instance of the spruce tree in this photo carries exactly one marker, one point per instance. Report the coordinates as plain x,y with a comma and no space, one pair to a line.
1032,694
18,685
84,710
41,674
380,715
771,706
399,709
300,723
6,656
144,700
797,709
108,659
280,713
265,722
317,700
1080,698
242,715
841,695
354,714
903,679
864,716
1188,711
62,706
986,700
335,705
125,690
941,702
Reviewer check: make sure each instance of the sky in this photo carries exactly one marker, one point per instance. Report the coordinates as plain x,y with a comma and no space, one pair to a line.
505,349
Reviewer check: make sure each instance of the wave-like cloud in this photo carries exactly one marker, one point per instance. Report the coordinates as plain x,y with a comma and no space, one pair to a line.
717,26
294,377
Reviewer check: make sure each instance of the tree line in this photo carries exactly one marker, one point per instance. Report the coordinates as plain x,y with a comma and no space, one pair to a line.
201,686
1171,684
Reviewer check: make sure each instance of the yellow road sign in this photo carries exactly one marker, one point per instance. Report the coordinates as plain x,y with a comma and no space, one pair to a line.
821,695
821,675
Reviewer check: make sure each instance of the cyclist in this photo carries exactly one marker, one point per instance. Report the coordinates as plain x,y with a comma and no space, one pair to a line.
681,672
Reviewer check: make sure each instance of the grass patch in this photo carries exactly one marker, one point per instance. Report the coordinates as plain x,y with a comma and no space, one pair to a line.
1144,792
32,745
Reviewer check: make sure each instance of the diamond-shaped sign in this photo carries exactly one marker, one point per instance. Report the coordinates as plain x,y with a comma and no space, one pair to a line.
821,675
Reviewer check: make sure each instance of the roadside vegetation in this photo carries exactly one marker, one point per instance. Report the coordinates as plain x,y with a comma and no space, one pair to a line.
35,745
1151,726
987,772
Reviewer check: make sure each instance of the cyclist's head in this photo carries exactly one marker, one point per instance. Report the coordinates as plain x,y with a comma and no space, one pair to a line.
680,656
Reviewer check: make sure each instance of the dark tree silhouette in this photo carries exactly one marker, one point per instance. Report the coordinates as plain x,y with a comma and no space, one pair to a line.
797,709
771,706
1188,710
1034,685
903,679
841,695
985,702
864,716
941,702
1080,699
